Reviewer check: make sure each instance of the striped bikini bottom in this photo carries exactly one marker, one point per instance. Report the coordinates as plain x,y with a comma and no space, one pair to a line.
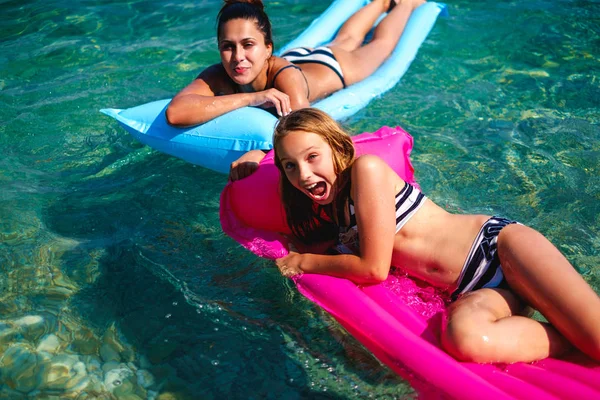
482,268
319,55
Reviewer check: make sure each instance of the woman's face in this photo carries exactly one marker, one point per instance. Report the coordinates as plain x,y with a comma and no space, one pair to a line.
244,53
307,161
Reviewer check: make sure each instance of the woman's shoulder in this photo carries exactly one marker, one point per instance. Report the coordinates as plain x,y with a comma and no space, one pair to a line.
289,78
213,71
217,80
277,63
280,65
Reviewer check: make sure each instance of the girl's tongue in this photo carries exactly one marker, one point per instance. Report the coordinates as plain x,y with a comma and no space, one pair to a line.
319,189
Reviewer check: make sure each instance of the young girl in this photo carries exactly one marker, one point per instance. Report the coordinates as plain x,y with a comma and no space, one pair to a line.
249,74
490,266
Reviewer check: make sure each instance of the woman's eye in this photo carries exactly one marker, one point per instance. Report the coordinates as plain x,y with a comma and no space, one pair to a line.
312,156
248,45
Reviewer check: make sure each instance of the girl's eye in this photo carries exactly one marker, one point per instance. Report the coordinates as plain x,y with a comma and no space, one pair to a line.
289,166
312,156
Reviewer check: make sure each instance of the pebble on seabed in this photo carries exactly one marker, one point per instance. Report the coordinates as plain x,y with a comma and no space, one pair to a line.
34,362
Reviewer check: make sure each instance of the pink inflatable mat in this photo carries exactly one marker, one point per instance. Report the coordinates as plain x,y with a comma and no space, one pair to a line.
399,320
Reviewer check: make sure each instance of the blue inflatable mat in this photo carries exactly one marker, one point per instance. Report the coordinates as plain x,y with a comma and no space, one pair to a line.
219,142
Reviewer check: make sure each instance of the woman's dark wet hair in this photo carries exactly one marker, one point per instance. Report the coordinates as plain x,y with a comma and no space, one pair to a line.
251,10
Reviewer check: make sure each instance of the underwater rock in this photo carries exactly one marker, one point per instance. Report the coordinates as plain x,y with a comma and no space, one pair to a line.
65,373
109,353
8,334
85,342
95,386
128,354
110,365
116,377
93,365
111,347
8,306
38,366
49,343
33,327
56,295
20,368
174,396
123,383
145,378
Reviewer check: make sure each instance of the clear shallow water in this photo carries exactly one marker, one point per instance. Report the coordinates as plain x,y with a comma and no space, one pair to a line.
114,273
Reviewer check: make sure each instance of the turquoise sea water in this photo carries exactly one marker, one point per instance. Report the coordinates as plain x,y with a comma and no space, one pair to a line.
115,276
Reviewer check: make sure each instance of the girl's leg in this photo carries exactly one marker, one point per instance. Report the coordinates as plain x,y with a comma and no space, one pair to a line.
358,62
485,326
542,276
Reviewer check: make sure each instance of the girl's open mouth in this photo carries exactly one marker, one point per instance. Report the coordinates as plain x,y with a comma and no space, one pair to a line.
317,190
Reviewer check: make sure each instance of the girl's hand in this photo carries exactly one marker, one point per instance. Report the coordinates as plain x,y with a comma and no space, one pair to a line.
272,98
289,265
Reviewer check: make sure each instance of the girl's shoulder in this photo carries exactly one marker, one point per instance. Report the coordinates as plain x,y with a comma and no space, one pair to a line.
371,170
370,163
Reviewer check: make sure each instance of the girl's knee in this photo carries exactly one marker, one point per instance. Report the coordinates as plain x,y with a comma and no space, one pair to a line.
466,341
470,325
592,347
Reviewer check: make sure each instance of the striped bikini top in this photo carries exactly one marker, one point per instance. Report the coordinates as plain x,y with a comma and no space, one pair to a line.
408,201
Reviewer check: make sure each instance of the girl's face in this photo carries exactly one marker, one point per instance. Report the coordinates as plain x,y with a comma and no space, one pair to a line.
307,161
243,51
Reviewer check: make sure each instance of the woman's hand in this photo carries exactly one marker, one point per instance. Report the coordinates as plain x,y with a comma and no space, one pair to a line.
246,165
272,98
289,265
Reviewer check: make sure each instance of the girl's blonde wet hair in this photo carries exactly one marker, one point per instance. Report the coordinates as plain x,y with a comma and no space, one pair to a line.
309,222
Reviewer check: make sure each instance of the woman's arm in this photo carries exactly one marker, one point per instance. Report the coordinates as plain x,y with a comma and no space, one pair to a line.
373,191
246,165
292,82
197,103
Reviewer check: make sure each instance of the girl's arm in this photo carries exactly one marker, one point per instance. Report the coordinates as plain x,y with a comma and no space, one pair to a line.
197,103
373,190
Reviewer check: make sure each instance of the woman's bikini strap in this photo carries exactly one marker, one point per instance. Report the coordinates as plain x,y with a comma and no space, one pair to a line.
298,68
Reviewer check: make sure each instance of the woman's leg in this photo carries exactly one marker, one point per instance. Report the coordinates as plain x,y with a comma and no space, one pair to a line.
358,62
542,276
485,326
352,33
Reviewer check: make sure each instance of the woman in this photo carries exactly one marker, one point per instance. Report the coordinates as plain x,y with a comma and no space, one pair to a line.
249,74
491,267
